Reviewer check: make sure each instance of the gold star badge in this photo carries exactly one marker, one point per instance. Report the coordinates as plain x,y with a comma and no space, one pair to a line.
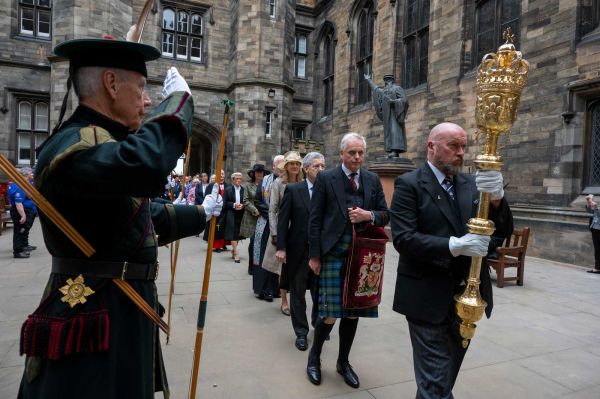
75,291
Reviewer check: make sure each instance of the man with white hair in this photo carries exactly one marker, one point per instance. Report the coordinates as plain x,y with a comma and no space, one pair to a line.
344,198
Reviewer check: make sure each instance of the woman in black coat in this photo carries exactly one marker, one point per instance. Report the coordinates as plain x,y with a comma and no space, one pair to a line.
234,211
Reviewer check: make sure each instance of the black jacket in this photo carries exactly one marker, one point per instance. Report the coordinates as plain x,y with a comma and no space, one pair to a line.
329,212
292,226
422,221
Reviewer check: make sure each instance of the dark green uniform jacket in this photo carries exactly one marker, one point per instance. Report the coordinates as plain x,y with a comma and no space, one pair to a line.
100,178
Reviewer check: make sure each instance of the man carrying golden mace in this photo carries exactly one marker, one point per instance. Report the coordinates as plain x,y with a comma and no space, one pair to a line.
437,241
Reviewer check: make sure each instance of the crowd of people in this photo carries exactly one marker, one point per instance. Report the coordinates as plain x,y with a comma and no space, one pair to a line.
300,220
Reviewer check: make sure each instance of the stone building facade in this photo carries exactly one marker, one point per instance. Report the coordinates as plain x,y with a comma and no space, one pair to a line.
294,69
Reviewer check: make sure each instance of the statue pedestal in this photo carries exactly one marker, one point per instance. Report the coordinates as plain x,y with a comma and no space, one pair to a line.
388,169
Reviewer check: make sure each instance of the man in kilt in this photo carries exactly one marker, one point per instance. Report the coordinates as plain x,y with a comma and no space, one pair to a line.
345,196
87,338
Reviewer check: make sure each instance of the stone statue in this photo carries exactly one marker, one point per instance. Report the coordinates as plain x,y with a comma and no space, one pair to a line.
391,106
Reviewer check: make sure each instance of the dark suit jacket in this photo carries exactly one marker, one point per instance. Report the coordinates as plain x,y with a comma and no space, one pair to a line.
230,212
292,226
200,194
329,213
422,221
220,231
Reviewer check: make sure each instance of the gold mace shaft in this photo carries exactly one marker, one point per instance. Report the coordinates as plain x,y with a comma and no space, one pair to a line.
501,77
207,264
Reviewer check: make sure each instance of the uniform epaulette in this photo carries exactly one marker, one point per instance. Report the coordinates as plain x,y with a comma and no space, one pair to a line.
89,137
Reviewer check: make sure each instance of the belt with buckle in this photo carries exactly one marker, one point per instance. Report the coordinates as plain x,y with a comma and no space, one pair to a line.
105,269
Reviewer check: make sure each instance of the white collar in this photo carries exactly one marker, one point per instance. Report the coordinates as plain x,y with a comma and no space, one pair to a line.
348,171
439,175
309,184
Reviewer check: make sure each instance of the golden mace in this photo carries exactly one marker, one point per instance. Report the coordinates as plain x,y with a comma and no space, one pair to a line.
500,81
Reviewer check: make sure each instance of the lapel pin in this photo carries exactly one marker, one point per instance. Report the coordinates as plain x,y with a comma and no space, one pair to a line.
439,197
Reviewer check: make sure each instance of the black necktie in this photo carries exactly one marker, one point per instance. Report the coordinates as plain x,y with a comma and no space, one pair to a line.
352,181
449,187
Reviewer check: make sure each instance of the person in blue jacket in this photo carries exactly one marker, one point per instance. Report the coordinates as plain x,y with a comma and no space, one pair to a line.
22,213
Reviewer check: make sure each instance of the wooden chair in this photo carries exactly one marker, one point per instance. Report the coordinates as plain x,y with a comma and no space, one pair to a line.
511,254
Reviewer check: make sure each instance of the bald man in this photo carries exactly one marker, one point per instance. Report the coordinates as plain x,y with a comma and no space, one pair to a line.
429,212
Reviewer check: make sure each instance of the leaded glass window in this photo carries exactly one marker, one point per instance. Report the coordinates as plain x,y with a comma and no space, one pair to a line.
492,18
595,144
364,52
589,16
300,56
328,72
182,34
416,42
32,128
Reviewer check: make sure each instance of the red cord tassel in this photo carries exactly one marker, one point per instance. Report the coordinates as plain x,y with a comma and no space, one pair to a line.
55,337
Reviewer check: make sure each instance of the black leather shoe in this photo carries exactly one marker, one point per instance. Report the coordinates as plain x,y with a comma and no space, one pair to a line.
269,297
30,248
301,343
313,370
22,255
349,375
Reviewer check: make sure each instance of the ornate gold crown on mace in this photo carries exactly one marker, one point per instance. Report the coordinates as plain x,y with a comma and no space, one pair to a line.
500,81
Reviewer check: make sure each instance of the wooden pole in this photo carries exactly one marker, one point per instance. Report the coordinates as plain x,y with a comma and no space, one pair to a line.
207,264
176,253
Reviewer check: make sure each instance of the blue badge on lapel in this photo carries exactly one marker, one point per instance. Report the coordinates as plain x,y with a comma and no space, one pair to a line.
476,201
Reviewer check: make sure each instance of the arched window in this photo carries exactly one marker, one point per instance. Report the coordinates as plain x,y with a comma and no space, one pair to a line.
416,42
183,35
364,51
328,71
492,17
32,128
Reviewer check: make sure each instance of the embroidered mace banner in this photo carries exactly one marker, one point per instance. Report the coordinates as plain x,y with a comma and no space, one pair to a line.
363,279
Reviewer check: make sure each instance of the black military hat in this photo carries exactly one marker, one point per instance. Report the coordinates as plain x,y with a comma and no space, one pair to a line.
107,52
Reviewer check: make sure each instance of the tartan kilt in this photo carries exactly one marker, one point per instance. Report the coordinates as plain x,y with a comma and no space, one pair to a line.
331,285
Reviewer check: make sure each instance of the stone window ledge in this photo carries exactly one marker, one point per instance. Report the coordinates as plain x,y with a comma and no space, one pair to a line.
416,90
592,37
360,108
325,119
32,39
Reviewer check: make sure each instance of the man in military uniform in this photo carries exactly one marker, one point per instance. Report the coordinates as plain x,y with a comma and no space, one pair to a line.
22,213
98,344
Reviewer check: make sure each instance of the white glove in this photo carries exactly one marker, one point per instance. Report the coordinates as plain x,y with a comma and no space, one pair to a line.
490,181
129,36
174,82
213,203
469,245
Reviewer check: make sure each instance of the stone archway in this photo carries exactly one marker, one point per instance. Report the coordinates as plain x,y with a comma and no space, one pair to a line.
203,144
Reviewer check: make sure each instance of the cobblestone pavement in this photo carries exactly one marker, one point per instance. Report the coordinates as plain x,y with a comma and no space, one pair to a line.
541,342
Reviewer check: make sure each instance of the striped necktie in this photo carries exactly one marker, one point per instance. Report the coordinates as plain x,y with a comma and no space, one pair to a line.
449,187
352,181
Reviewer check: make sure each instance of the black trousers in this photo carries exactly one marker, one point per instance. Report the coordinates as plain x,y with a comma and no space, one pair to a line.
596,241
437,356
299,282
21,231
